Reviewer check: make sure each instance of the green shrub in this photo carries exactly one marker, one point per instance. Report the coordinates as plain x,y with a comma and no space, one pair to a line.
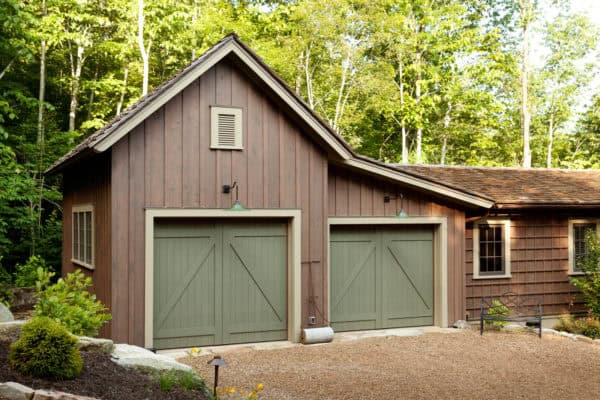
589,283
6,295
187,380
69,302
46,350
589,327
27,275
497,310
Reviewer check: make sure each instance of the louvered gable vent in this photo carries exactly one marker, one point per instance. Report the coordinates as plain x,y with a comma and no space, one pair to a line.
226,128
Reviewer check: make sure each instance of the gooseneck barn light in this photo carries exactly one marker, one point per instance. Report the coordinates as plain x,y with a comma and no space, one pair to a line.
236,206
387,198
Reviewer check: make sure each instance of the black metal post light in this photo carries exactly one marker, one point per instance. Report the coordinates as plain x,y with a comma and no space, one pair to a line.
216,362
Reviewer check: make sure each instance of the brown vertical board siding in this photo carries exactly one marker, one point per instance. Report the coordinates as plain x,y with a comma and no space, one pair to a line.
136,228
346,187
154,159
167,162
271,159
287,165
120,240
89,183
173,153
191,145
539,266
224,157
240,159
208,160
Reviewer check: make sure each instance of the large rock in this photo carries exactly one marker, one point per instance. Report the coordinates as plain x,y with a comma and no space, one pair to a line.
56,395
15,391
5,314
11,330
136,357
96,344
461,324
514,327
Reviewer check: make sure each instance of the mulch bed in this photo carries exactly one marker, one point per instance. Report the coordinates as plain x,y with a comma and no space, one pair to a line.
101,378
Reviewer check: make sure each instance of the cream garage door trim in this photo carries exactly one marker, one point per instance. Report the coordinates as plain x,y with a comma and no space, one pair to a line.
440,256
294,264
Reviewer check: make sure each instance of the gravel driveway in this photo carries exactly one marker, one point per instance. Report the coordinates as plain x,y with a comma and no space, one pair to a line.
433,366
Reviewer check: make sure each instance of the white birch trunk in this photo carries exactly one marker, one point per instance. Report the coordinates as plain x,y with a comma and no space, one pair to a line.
550,142
75,80
122,96
144,51
525,113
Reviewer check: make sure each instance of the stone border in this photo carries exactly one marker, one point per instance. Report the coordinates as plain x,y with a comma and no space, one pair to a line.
17,391
572,336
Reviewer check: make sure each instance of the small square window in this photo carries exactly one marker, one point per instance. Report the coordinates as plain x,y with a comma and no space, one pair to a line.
491,250
578,248
83,236
226,128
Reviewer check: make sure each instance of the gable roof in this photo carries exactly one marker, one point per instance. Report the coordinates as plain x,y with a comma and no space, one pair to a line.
120,126
519,187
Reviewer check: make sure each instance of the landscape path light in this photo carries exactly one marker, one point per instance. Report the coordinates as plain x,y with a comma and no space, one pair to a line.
216,362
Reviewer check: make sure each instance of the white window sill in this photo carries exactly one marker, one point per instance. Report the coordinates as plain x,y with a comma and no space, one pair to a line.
82,264
576,273
492,276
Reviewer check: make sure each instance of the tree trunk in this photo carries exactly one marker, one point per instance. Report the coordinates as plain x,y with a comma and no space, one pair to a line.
75,80
526,10
299,67
5,70
402,126
309,88
419,129
194,21
445,134
122,97
92,94
550,142
340,103
144,51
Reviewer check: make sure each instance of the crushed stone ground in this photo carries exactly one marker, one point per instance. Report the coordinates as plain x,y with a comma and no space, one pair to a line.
433,366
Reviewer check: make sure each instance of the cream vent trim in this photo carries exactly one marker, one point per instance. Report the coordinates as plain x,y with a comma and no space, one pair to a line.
226,128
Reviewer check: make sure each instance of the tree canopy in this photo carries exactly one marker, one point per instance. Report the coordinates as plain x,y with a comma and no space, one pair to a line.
472,82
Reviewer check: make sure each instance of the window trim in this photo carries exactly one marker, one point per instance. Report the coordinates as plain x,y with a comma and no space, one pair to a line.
507,238
572,222
239,121
82,208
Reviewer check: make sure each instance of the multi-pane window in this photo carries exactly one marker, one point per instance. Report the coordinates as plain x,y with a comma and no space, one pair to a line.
83,235
491,249
580,248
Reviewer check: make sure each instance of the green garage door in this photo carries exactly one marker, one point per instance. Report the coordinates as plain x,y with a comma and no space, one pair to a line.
381,277
218,282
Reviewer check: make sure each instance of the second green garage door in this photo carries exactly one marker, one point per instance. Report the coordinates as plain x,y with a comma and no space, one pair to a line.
381,277
219,282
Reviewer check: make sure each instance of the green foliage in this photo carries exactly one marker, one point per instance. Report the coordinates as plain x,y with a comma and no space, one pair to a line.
170,379
589,327
6,295
499,311
69,302
46,349
28,274
589,283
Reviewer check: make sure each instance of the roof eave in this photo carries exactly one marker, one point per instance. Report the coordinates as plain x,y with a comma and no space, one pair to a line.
414,181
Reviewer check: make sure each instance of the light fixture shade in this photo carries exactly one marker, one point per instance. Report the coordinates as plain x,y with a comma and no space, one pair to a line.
237,206
402,214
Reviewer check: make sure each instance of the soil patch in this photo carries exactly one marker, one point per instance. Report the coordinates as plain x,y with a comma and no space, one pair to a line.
100,378
460,365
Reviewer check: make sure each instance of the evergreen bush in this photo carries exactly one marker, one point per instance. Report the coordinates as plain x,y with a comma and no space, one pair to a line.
46,350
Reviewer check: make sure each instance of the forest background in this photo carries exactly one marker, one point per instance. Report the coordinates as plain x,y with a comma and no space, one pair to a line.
469,82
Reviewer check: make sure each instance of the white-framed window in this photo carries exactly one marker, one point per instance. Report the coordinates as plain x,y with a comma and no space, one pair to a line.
226,128
491,249
577,245
83,235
